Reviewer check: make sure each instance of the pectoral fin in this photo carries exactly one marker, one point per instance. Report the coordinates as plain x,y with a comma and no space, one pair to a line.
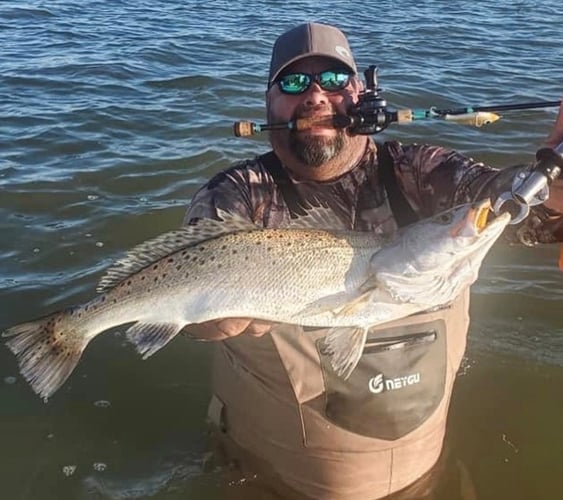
150,337
340,305
345,346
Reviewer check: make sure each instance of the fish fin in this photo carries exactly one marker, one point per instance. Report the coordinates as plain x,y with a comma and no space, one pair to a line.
422,288
356,305
340,304
318,218
332,303
47,351
345,346
151,251
151,337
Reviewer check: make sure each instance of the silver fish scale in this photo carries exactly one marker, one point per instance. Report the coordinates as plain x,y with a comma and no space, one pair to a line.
274,274
325,278
247,274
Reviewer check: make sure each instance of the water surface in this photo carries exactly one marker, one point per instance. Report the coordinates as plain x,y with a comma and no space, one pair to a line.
113,113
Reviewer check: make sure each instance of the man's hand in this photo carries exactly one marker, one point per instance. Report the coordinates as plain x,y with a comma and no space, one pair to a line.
227,328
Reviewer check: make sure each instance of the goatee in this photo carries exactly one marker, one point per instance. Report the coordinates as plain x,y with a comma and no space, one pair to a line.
315,151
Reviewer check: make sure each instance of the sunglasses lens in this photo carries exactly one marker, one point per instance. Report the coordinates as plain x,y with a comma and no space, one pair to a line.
297,83
333,80
294,83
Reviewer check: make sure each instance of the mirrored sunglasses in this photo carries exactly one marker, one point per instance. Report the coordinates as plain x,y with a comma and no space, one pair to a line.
297,83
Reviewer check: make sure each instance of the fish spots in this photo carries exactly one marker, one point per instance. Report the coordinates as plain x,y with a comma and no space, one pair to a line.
178,267
171,260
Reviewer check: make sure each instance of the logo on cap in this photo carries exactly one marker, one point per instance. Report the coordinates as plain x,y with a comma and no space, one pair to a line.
343,51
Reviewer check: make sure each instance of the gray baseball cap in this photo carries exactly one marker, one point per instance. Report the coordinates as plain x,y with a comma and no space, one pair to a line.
311,39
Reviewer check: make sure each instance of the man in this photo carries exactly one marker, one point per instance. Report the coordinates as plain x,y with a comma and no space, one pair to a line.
273,400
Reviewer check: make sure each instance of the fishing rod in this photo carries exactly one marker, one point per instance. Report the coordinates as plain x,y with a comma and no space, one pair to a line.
371,114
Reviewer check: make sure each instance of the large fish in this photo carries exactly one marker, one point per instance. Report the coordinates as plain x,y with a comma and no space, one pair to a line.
341,279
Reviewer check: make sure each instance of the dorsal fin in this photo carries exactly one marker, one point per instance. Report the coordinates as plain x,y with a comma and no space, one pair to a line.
318,218
151,251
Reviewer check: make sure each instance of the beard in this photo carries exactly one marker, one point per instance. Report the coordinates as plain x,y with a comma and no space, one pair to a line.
315,151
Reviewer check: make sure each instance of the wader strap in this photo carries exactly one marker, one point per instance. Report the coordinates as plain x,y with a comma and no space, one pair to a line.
294,202
402,211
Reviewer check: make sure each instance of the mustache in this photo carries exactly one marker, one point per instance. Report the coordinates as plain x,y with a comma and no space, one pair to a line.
316,110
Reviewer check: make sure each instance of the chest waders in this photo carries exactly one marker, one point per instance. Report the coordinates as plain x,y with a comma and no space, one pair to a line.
281,409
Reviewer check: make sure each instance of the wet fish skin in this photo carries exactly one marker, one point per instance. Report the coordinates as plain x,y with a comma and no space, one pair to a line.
324,278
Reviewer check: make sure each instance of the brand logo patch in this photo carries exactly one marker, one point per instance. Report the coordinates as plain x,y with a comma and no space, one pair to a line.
379,383
343,51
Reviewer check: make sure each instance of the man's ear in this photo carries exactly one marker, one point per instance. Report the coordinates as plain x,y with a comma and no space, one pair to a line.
268,95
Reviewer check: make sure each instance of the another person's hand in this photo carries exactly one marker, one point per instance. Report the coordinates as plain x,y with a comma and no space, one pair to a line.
555,201
227,328
556,135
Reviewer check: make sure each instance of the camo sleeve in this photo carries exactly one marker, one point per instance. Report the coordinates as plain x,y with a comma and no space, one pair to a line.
244,189
434,178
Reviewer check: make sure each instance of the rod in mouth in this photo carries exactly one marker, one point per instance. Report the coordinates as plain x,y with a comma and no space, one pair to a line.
246,129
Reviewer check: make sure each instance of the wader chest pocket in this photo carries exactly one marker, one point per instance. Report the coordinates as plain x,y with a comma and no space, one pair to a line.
397,385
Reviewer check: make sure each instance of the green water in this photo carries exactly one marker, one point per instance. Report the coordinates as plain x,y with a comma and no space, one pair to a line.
113,113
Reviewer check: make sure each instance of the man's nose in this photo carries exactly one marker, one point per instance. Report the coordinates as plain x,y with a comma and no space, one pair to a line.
315,95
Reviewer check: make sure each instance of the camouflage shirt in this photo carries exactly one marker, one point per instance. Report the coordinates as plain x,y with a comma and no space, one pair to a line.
431,178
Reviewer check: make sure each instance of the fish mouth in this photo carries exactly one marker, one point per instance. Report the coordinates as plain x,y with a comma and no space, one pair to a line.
483,217
479,219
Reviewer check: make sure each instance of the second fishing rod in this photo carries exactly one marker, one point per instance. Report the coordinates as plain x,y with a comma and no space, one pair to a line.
371,114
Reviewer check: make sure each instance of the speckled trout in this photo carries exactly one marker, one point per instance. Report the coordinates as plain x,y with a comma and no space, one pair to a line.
347,281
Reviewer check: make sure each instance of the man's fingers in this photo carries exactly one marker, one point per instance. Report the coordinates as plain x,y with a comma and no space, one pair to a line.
229,327
258,328
232,327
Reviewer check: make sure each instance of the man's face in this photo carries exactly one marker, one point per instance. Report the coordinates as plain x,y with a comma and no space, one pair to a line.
315,146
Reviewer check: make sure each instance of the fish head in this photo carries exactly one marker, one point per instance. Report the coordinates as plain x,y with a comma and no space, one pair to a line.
431,261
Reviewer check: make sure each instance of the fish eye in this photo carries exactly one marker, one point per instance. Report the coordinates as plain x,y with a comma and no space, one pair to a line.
444,218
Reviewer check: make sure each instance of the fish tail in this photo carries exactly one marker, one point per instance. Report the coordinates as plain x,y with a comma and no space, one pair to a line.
47,350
